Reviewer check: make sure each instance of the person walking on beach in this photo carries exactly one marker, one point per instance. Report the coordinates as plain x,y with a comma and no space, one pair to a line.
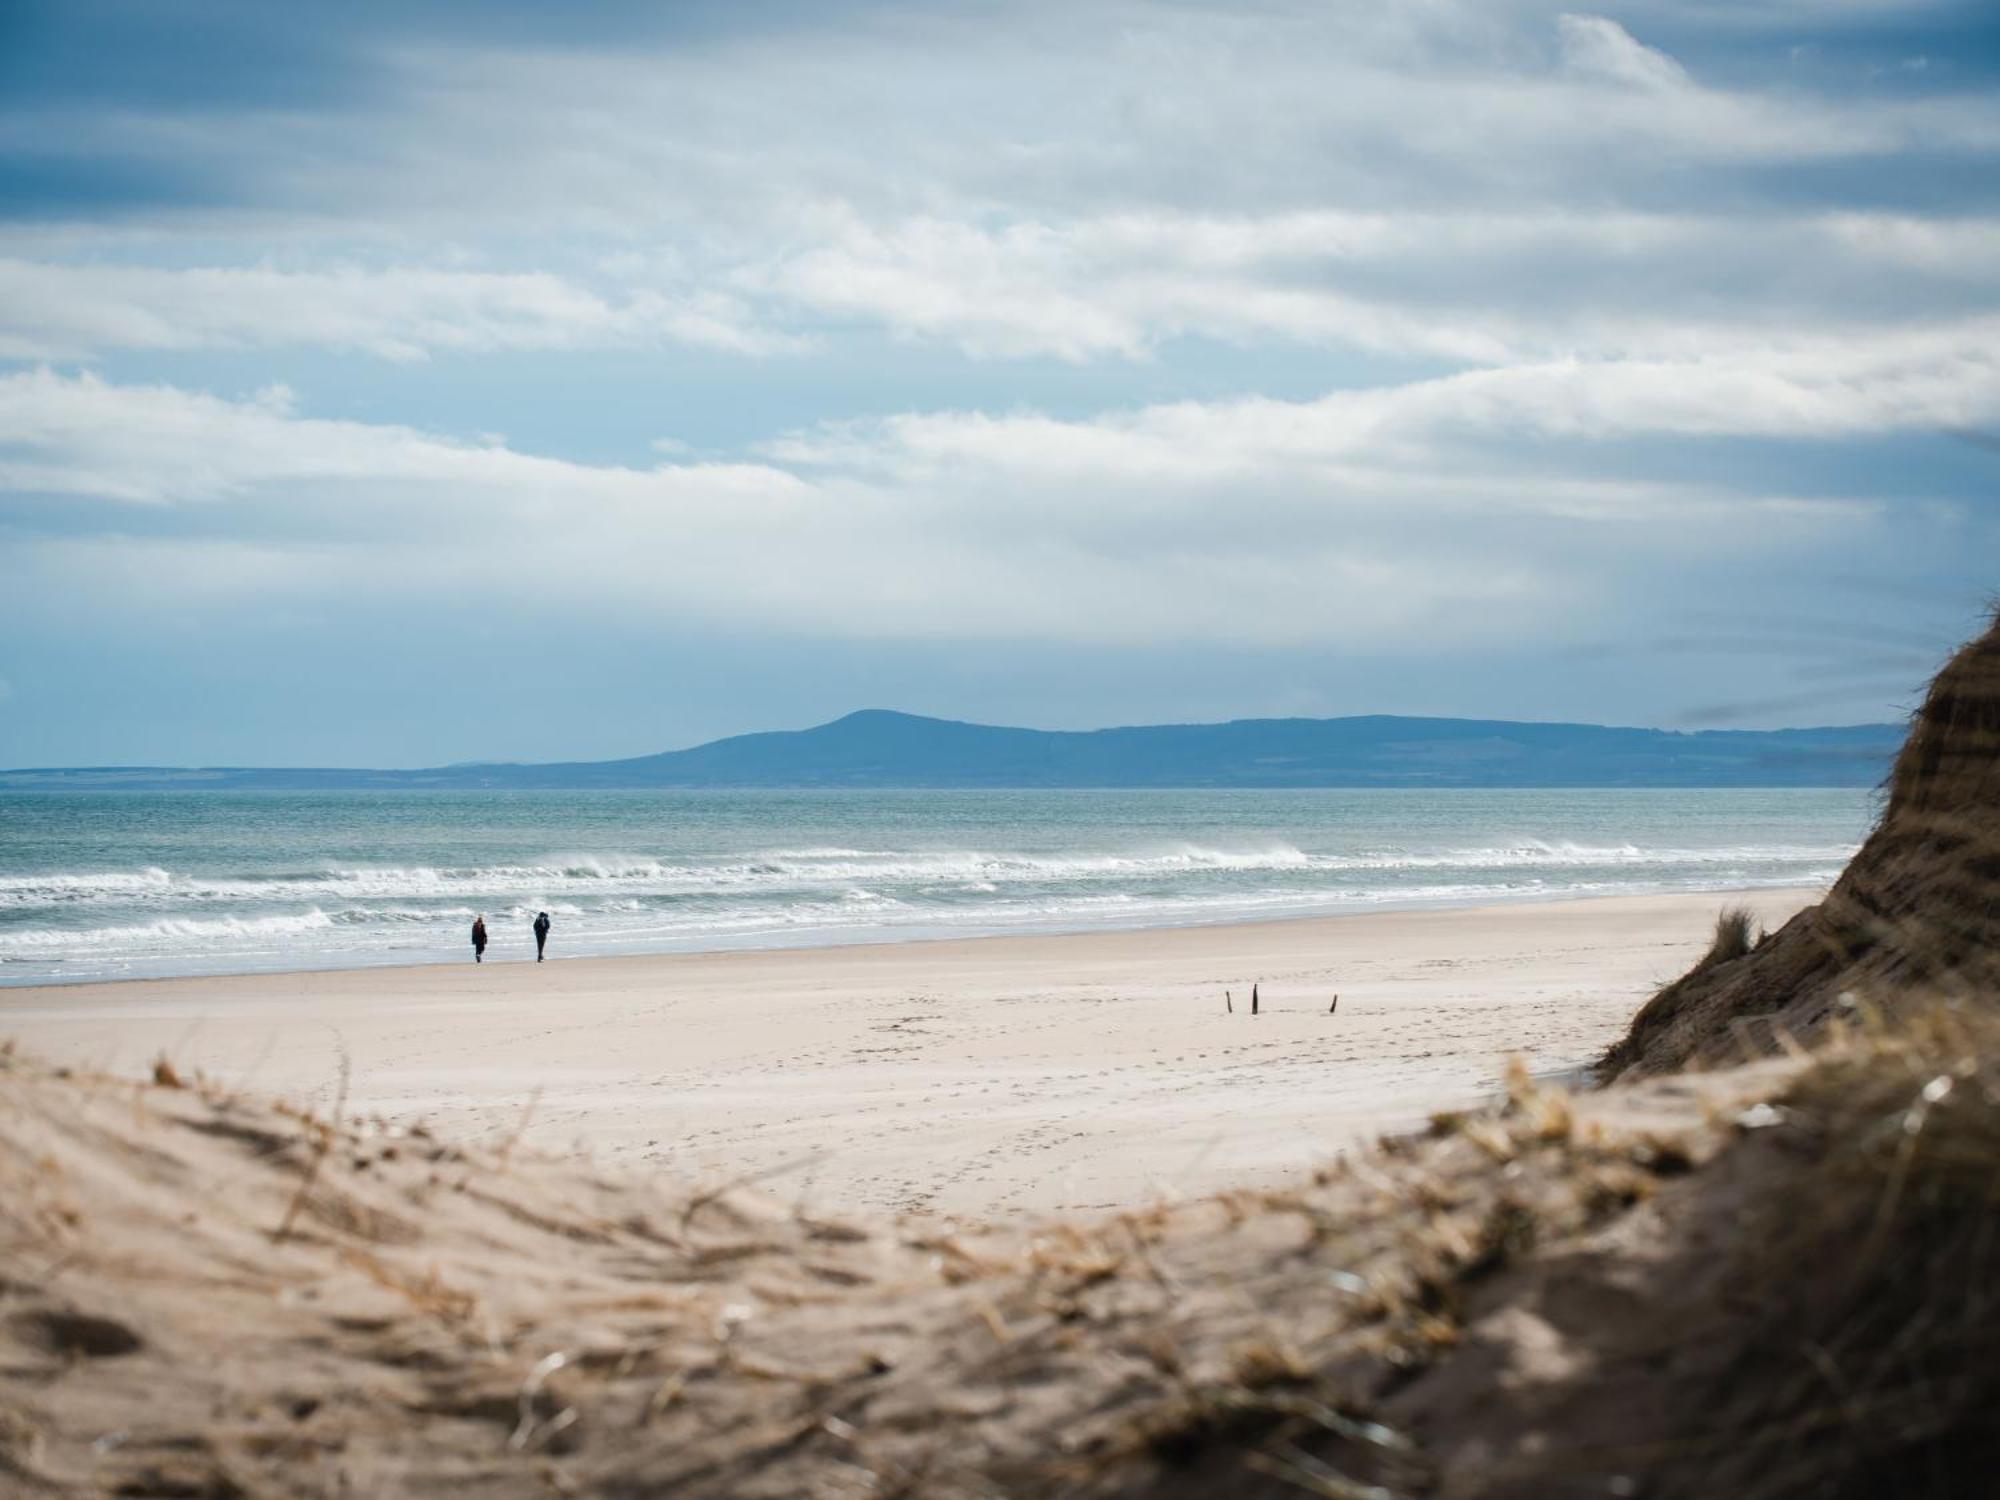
541,934
479,940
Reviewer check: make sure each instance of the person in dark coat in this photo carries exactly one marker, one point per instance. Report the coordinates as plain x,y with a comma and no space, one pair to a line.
541,934
479,940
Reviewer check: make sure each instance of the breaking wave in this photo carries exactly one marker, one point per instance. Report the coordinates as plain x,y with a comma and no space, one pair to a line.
781,869
167,930
254,885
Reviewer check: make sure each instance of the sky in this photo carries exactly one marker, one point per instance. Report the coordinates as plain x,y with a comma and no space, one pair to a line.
399,384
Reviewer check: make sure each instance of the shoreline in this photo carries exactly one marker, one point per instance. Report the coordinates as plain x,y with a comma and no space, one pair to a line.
967,1075
831,940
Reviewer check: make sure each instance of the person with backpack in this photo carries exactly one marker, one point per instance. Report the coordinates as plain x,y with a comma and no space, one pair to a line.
541,934
479,940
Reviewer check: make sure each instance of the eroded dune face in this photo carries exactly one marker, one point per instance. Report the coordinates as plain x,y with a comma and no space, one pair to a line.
1916,913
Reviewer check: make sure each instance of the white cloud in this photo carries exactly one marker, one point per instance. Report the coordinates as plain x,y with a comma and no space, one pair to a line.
1061,110
1549,284
1602,48
1577,233
159,445
1935,379
1451,181
67,311
1115,285
1353,517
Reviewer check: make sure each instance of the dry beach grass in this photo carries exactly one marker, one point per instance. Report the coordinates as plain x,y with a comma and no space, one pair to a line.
1629,1291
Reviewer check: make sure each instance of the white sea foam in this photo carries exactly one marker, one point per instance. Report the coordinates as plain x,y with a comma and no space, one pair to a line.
584,874
23,889
968,870
167,931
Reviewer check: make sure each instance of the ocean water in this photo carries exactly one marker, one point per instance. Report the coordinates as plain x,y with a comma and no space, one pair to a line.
116,885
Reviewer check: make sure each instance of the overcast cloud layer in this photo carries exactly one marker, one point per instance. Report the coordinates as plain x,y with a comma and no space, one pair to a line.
410,383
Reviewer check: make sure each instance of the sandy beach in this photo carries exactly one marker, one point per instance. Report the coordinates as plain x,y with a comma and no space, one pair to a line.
970,1077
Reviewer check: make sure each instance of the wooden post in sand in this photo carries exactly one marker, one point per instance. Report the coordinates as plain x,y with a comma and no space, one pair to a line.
1253,999
1228,1004
1335,1006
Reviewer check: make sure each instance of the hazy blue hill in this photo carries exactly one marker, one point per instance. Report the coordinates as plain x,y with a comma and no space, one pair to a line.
880,748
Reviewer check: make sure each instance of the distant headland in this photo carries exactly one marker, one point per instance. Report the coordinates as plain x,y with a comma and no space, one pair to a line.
884,749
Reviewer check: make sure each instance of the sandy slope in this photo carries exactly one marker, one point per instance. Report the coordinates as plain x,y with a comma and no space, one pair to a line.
970,1076
1627,1291
201,1296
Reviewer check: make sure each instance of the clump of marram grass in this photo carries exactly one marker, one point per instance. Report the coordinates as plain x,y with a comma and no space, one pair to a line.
1732,938
1871,1273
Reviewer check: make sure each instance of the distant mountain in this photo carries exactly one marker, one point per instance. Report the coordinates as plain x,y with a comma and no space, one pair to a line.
878,748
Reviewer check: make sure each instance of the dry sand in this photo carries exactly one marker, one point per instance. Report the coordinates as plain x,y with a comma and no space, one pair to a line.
970,1077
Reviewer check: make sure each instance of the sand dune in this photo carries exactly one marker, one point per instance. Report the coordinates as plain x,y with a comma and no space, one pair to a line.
967,1077
1646,1290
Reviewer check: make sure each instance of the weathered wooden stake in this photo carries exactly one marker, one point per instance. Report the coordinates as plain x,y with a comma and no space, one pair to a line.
1253,999
1335,1006
1228,1004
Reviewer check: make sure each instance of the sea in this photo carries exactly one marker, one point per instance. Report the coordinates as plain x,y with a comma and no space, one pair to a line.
116,885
